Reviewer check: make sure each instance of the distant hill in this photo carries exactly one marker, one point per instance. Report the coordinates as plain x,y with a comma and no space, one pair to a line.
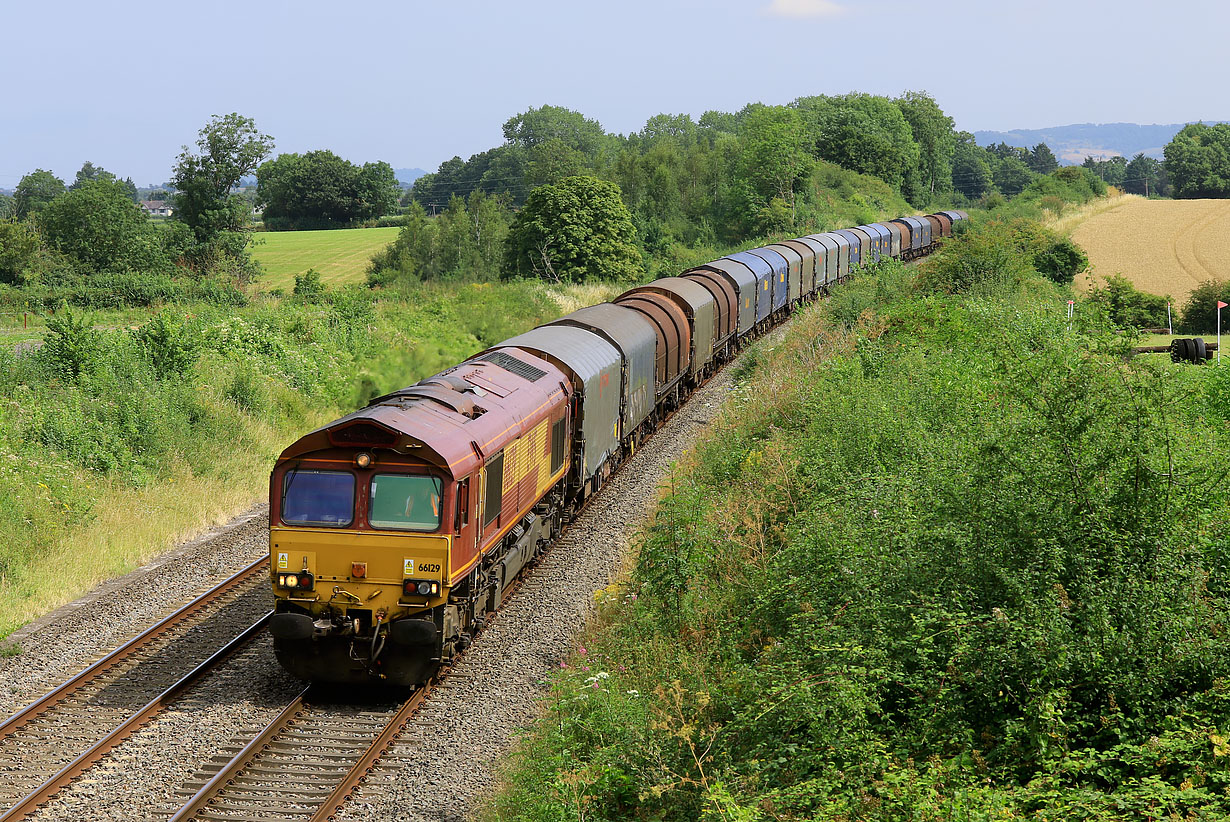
407,176
1072,144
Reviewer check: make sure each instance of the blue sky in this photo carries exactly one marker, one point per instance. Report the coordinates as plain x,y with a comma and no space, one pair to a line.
126,84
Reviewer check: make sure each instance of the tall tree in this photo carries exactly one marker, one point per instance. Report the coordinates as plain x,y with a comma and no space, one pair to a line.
573,129
971,171
320,189
1042,160
861,132
228,148
19,248
677,128
933,132
89,173
1198,161
1112,170
575,230
35,191
1011,176
1145,175
97,225
773,152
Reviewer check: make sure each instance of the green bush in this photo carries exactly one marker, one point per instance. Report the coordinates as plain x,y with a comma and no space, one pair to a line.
1128,307
169,344
308,286
1000,254
1059,259
1200,313
72,345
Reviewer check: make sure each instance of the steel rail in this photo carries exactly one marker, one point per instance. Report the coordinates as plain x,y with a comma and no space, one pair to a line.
359,771
30,803
241,760
127,650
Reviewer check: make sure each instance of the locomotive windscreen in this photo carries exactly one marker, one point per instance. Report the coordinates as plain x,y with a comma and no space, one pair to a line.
405,502
320,498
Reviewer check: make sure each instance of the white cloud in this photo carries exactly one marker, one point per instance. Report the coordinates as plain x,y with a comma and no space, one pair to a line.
804,8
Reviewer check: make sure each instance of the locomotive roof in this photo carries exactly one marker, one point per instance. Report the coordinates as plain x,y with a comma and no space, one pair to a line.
453,417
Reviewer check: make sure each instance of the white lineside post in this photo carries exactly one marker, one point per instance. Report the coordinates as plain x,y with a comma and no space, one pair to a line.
1220,306
1071,304
1169,321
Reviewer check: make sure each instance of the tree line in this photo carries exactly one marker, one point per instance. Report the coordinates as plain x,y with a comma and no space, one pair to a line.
731,176
682,183
1196,165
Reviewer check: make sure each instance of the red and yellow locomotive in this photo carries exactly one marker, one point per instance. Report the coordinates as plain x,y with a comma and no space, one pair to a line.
398,528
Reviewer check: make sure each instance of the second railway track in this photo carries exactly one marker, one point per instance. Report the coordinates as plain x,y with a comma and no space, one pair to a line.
57,737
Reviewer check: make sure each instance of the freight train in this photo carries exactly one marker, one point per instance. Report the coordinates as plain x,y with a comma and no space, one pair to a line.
397,530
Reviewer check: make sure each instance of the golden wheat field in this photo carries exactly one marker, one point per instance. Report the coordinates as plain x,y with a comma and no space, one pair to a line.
1161,246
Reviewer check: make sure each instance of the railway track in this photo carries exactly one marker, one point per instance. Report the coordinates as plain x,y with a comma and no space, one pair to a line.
302,765
55,739
309,760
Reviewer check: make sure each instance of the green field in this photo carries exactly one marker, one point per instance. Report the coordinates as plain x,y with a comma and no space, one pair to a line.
340,256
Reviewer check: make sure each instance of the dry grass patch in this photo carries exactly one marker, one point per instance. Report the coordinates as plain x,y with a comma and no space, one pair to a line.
1066,221
1161,246
575,296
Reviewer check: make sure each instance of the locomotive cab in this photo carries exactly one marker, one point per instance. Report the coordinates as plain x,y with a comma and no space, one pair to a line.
359,551
396,530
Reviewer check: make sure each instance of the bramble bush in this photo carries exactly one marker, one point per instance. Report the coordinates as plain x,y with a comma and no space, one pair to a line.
1001,255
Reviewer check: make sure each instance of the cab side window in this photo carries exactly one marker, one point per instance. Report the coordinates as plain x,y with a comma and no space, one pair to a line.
495,488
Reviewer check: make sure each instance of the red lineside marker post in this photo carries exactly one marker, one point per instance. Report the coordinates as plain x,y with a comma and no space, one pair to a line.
1220,306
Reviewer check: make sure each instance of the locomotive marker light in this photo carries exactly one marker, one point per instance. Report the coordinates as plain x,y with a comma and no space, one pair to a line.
420,587
301,581
358,570
363,459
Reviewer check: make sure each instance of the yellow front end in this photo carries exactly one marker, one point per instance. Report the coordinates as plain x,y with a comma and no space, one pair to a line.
358,570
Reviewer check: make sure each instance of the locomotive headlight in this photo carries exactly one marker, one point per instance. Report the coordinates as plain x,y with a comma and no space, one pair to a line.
363,459
420,587
302,581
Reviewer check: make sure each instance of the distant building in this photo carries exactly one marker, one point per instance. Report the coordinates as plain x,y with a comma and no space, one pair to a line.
157,208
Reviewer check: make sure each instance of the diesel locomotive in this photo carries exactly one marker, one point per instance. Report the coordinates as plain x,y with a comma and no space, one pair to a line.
397,530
